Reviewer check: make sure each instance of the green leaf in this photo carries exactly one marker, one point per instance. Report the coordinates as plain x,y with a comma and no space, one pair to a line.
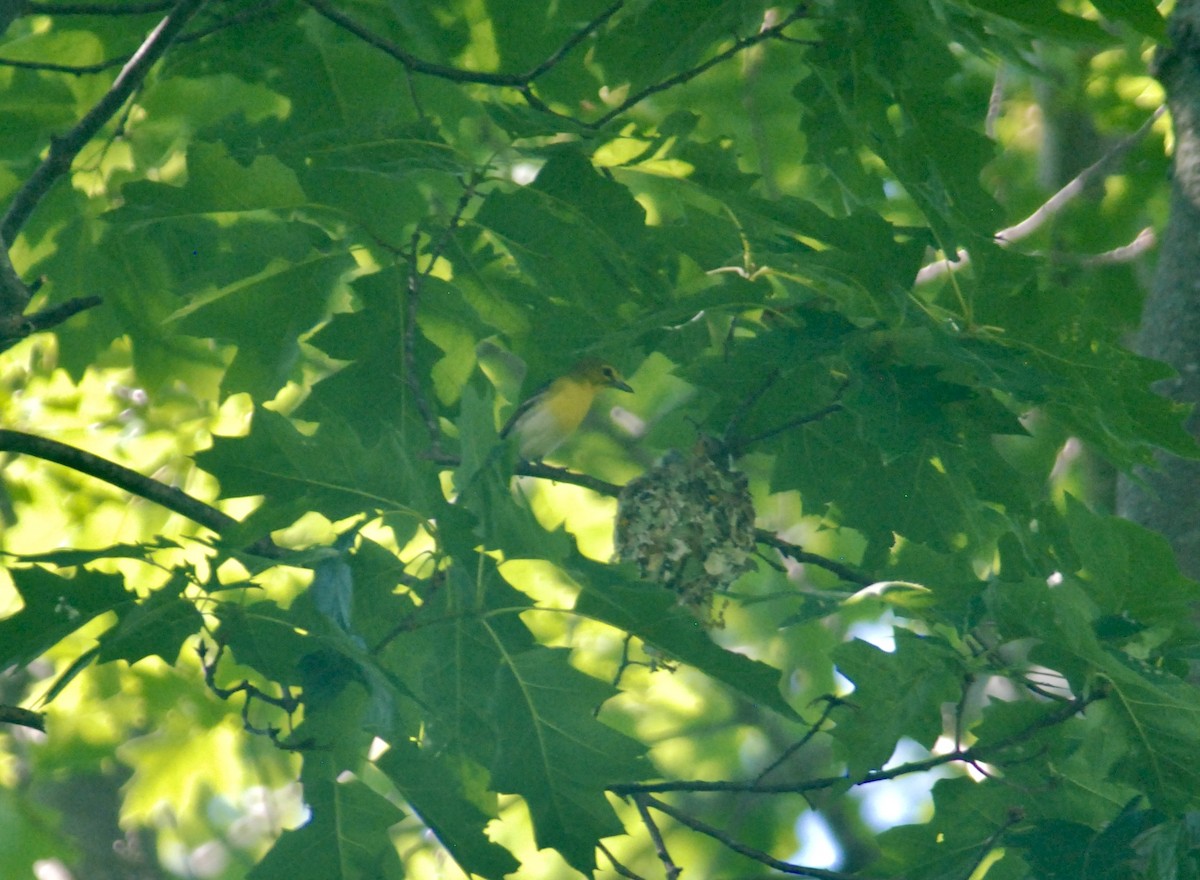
332,471
216,184
262,636
55,607
28,833
346,838
1046,19
552,752
963,830
439,792
1160,714
1127,568
265,315
156,626
1142,15
654,615
898,694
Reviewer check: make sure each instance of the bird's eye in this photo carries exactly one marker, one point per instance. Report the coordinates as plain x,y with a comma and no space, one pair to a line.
609,372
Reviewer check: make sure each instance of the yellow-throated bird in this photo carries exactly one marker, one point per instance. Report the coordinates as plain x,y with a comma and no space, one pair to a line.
555,412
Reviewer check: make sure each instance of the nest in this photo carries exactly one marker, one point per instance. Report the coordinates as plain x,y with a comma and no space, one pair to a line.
688,523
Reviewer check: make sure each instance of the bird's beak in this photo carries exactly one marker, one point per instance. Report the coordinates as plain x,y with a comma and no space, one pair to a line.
622,386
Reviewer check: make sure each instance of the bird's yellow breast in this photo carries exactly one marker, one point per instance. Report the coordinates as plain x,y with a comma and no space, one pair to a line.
555,416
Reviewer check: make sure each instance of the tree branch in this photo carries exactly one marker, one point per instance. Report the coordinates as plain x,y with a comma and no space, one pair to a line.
39,7
412,62
260,10
14,326
563,475
523,82
23,717
617,866
63,150
741,848
971,755
14,295
739,45
117,475
1052,206
574,40
789,549
669,867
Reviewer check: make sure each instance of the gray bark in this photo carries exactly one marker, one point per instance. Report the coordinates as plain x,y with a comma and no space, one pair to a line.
1167,499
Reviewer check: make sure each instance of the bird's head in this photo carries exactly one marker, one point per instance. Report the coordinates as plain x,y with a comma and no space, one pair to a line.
599,374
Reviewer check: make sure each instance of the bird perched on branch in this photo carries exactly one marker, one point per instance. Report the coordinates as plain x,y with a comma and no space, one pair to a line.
554,412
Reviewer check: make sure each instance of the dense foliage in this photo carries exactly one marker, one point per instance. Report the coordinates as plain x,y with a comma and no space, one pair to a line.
299,259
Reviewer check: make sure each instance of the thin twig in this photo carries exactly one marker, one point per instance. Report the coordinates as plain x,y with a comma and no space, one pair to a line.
739,45
747,404
523,82
259,11
617,866
410,61
660,846
574,40
39,7
63,150
973,755
805,419
15,327
73,69
789,549
1052,206
563,475
750,852
831,703
288,702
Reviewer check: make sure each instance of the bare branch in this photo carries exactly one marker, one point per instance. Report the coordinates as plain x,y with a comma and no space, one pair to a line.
575,39
130,480
523,82
741,848
259,11
1051,207
14,295
412,62
788,549
1126,253
563,475
990,753
39,7
14,326
23,717
617,866
660,846
739,45
63,150
73,69
831,703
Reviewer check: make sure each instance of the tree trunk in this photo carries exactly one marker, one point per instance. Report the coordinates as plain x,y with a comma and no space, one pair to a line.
1167,499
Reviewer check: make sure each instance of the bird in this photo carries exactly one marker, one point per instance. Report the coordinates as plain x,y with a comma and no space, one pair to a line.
554,412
